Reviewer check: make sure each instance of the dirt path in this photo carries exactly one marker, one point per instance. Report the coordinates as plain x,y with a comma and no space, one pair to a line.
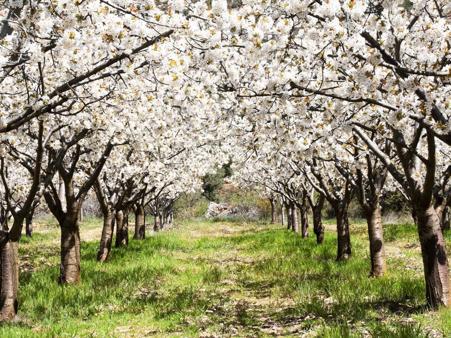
250,307
246,307
228,279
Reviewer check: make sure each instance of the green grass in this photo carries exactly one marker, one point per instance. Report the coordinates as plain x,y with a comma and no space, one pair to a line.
225,279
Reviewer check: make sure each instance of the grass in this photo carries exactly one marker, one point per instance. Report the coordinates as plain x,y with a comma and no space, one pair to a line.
226,279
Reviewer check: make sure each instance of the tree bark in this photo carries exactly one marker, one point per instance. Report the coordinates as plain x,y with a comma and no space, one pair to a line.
107,236
29,225
273,211
435,261
156,224
304,217
121,230
376,239
317,208
81,215
126,223
446,218
294,216
160,218
70,250
140,225
318,227
289,217
283,213
164,218
10,278
168,216
62,193
343,236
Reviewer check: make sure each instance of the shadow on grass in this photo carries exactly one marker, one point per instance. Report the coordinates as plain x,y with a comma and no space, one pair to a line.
335,292
228,279
393,232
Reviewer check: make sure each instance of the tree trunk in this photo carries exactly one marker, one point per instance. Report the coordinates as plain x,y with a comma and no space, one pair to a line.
376,239
156,224
9,278
126,224
81,215
445,218
121,230
289,217
435,260
283,213
318,227
107,237
294,216
343,236
171,217
62,193
304,218
140,225
70,251
273,211
29,224
164,218
160,220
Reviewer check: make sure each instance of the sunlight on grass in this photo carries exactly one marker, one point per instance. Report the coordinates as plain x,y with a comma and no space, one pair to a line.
223,278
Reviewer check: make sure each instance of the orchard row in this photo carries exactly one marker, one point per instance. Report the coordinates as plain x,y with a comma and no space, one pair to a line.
136,101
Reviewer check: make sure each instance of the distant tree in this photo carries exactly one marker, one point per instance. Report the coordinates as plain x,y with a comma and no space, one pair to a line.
212,183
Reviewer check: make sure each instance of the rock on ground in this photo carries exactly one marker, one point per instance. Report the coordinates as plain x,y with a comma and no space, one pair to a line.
223,210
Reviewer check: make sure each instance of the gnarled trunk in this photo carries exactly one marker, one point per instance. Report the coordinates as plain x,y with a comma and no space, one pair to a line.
343,236
435,260
70,251
376,239
121,230
107,236
140,226
9,278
